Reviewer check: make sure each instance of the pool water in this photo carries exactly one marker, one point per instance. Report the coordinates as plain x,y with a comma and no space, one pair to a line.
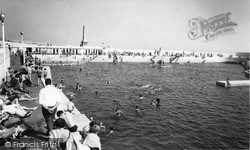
193,112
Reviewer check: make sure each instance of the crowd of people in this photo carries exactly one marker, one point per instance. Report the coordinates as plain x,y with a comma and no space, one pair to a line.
14,89
57,114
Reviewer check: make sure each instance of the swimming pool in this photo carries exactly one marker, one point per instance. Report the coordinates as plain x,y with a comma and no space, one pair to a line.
194,113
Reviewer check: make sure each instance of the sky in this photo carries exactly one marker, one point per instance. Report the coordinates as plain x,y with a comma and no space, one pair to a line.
128,24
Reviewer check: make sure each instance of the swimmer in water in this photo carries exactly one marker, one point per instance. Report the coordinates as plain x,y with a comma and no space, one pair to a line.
157,89
62,81
137,109
103,128
141,97
60,86
111,131
77,84
78,87
108,82
152,103
158,101
118,112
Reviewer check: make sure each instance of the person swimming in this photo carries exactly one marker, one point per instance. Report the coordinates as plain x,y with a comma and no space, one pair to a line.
137,109
157,89
78,87
141,97
118,112
157,101
62,81
103,128
60,86
111,130
146,86
152,103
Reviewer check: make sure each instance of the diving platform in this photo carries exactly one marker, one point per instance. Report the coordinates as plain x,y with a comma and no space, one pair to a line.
233,83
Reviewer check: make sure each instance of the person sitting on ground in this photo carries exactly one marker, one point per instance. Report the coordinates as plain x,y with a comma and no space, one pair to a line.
23,70
68,106
21,86
26,80
92,140
13,94
13,79
10,132
61,136
87,129
71,125
7,88
16,109
16,82
20,97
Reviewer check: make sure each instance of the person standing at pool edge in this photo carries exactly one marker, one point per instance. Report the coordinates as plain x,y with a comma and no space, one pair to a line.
49,98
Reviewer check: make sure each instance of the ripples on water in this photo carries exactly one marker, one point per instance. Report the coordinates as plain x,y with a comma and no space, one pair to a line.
194,113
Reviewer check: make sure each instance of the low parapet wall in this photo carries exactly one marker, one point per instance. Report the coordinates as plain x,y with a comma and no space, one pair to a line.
80,119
